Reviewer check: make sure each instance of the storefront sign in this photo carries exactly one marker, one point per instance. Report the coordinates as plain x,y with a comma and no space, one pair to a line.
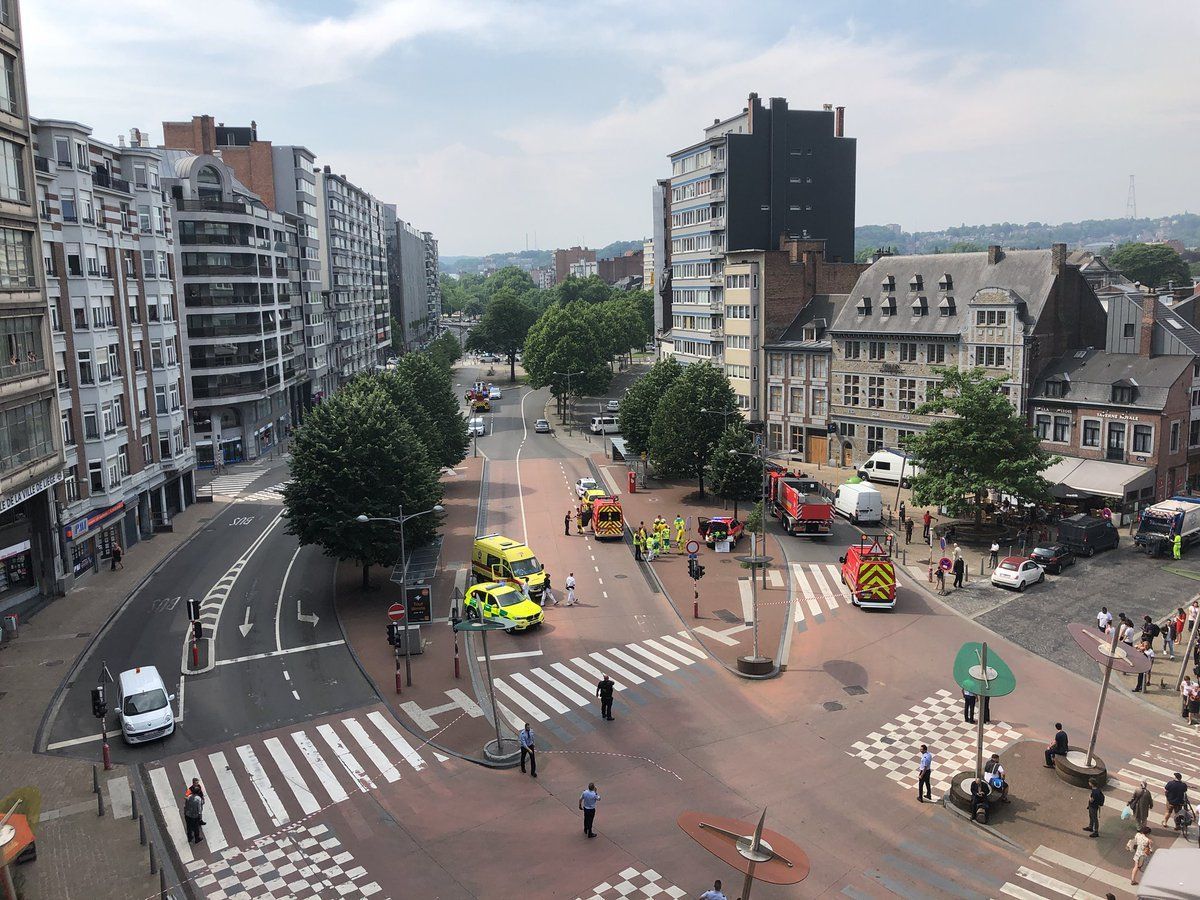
31,491
14,550
80,527
1126,416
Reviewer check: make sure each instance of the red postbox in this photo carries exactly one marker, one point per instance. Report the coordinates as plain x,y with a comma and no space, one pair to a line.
632,482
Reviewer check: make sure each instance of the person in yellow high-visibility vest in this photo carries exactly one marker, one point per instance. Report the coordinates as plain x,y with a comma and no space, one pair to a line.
664,536
680,530
1177,546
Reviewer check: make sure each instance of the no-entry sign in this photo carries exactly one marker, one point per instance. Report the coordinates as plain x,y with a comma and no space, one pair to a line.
692,547
396,612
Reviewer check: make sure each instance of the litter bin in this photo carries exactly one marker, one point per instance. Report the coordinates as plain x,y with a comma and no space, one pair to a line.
8,626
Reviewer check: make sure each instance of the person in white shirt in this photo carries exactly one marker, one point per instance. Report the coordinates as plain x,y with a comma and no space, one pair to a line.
1143,677
1192,612
1103,619
715,894
570,583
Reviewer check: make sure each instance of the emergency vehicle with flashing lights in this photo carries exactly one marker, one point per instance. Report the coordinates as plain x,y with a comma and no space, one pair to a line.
608,521
721,528
798,503
868,572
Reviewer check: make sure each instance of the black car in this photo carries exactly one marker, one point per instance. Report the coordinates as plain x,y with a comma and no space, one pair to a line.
1054,558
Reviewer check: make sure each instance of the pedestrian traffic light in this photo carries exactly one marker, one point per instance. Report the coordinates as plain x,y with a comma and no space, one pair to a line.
193,609
393,633
691,568
699,571
99,706
197,631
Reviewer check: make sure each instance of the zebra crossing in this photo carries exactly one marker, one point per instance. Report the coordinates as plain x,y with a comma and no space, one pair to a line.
1174,750
272,494
261,785
1050,873
819,593
554,695
232,484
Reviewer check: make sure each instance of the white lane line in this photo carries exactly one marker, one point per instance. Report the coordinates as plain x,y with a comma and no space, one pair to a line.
635,662
292,777
386,768
605,593
557,685
684,645
806,591
403,747
520,701
320,768
801,589
242,817
294,694
346,758
716,635
170,810
305,649
262,785
545,696
668,652
214,835
521,655
73,742
588,686
617,668
1151,767
279,602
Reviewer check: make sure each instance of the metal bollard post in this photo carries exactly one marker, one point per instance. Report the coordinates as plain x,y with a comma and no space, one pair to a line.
153,860
133,799
981,562
162,885
100,803
142,831
95,780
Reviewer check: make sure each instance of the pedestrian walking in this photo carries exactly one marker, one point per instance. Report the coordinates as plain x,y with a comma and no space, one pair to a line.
1141,846
1167,630
567,523
941,580
1194,704
1140,805
927,519
1150,630
651,545
638,540
901,510
924,771
1095,801
968,706
715,894
1176,793
1180,623
117,553
1059,747
548,593
908,529
570,585
960,566
528,748
1185,690
680,529
994,553
193,812
1193,611
1104,620
604,690
957,552
587,802
1144,677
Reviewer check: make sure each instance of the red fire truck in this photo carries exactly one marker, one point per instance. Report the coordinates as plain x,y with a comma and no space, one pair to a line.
868,571
797,501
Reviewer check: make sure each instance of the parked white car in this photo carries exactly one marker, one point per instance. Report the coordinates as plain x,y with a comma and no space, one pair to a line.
1017,572
475,426
494,393
613,406
583,485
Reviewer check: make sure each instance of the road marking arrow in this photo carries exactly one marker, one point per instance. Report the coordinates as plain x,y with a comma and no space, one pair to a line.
245,627
310,619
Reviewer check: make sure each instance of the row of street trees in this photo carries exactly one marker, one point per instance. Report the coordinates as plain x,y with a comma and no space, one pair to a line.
374,447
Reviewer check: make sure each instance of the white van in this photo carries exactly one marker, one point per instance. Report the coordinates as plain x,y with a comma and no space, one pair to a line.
606,425
144,706
889,467
860,503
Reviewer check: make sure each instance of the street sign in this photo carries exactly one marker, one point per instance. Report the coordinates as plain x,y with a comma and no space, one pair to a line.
693,547
396,612
420,609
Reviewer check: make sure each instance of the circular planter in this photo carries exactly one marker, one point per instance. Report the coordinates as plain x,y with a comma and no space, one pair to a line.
1072,768
755,665
508,751
960,790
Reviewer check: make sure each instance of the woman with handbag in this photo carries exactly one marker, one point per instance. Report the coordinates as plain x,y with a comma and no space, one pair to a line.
1140,805
1141,846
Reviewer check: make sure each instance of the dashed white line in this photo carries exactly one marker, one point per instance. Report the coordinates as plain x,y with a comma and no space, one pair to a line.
294,694
605,593
599,581
597,568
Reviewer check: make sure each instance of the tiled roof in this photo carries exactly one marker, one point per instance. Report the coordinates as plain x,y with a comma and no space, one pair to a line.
1091,374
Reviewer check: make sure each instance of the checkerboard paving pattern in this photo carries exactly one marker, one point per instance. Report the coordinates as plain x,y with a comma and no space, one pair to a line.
306,862
938,722
639,885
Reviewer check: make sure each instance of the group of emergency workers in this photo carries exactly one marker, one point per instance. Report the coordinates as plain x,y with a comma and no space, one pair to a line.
656,540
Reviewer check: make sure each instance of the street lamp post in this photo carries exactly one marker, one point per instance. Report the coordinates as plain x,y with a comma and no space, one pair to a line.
399,521
723,413
567,399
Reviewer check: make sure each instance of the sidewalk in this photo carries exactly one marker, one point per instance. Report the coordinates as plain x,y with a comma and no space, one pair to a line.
80,855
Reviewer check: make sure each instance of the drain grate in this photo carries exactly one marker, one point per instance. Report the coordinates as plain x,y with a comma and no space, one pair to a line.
854,690
618,577
726,615
832,706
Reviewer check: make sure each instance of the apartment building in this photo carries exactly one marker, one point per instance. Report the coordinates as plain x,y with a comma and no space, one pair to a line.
238,271
615,269
433,280
660,239
564,259
408,282
354,274
766,173
108,253
1006,312
31,456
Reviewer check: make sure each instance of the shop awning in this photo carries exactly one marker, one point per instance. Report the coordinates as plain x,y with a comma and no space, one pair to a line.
1096,477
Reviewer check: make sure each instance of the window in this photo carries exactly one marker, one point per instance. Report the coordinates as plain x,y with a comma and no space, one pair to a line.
796,401
875,392
1122,393
164,448
71,484
1042,426
946,283
1194,433
119,409
775,398
946,307
797,366
876,350
1174,437
991,317
820,368
12,172
92,259
68,429
848,429
775,364
103,367
86,375
874,438
908,351
1091,433
819,405
62,151
147,450
91,423
144,411
1062,429
8,86
917,283
907,397
81,156
920,306
1143,438
853,349
139,174
86,207
160,399
96,476
850,390
935,354
143,217
796,438
1056,387
989,356
864,306
156,354
887,306
174,387
107,418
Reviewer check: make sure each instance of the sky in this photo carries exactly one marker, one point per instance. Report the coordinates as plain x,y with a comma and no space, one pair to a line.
497,124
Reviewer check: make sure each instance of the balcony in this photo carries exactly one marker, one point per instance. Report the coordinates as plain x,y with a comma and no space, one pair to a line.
41,163
216,240
228,386
717,165
220,206
102,178
211,331
199,271
13,368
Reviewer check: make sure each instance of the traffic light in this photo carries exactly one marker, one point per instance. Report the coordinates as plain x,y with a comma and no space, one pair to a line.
197,631
393,633
699,571
691,568
193,609
99,707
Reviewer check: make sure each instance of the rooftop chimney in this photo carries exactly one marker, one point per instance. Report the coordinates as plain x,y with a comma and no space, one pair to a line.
828,107
995,254
1058,256
839,122
1149,318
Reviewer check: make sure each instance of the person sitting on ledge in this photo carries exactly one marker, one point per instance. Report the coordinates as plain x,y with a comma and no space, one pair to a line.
979,800
995,777
1059,747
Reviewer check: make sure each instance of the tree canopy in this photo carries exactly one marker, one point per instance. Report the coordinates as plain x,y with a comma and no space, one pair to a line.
1151,264
639,406
505,324
986,445
734,472
445,350
432,385
682,435
568,338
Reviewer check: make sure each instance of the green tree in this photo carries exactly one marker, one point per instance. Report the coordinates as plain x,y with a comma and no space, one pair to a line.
639,406
682,436
511,278
754,521
1151,264
590,290
445,350
986,445
397,337
734,472
356,454
566,339
433,387
504,326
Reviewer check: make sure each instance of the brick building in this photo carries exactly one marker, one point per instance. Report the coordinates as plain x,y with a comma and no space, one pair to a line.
563,259
628,265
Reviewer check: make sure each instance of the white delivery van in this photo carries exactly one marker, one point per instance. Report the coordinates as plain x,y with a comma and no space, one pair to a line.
860,503
889,467
605,425
144,706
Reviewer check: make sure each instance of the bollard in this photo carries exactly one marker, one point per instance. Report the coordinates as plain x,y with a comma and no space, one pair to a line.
981,567
95,780
399,689
100,803
133,804
162,885
106,755
195,655
153,860
456,668
142,831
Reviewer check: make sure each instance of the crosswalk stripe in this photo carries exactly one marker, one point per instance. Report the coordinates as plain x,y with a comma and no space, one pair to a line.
170,810
1151,767
806,592
545,696
775,578
242,817
258,777
214,835
746,595
1178,745
633,661
1014,890
320,768
699,654
385,766
579,679
346,758
557,685
661,663
835,578
513,719
291,776
616,667
1088,870
1059,887
822,589
403,747
520,701
667,651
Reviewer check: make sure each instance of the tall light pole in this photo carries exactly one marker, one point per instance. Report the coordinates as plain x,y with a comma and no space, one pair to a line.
724,413
399,521
567,404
